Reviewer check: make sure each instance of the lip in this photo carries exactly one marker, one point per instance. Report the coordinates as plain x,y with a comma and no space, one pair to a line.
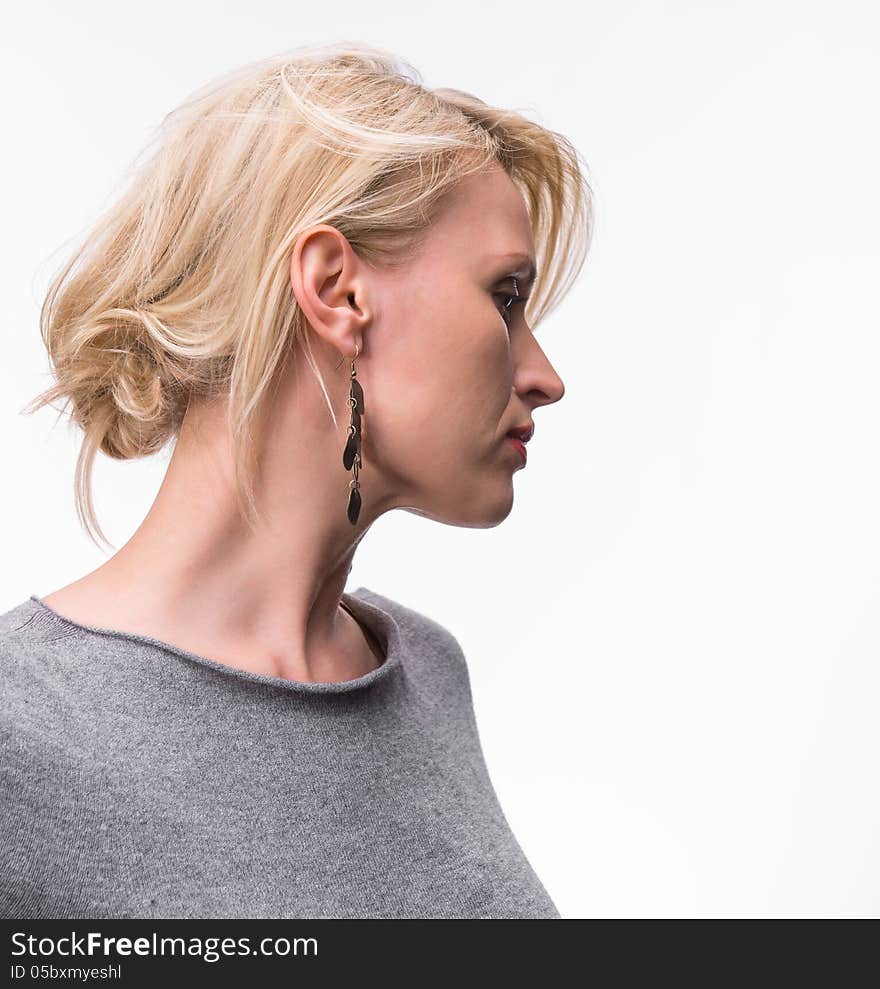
524,432
518,445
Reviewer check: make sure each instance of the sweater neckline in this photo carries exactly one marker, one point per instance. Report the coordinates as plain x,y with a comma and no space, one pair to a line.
379,622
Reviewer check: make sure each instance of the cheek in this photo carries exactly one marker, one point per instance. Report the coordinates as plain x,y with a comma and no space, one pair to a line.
438,408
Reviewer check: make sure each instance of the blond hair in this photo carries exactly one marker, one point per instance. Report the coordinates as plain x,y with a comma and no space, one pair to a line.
182,288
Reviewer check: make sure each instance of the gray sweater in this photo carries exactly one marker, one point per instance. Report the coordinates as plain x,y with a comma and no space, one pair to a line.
141,780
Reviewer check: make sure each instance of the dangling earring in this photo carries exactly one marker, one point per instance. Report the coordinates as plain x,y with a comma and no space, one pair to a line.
351,455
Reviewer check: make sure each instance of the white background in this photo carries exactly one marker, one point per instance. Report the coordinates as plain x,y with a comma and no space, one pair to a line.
673,639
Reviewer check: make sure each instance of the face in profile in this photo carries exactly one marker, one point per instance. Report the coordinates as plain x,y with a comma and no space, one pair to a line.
459,365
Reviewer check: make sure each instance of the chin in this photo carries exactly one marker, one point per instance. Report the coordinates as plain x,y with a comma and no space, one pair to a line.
477,513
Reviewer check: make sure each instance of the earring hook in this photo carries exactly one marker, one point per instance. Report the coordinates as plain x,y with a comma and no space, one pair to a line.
341,359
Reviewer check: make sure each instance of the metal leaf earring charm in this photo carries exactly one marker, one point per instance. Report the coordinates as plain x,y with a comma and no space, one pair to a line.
351,455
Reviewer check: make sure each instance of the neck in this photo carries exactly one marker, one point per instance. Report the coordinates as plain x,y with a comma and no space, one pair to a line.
267,598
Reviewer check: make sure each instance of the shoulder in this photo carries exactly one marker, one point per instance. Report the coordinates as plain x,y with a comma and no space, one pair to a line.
50,698
413,622
425,638
408,616
41,771
36,655
18,660
25,711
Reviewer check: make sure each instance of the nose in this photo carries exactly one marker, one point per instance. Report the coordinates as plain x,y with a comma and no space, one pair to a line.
536,378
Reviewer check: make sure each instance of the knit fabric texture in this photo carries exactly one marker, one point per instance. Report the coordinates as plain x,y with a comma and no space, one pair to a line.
141,780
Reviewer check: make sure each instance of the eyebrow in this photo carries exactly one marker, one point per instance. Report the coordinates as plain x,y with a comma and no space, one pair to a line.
527,272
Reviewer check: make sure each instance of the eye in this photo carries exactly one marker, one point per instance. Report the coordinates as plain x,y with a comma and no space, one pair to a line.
509,303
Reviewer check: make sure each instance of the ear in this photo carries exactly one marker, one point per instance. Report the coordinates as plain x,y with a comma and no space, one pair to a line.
329,282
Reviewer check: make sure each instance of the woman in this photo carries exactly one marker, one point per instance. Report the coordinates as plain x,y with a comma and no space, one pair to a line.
317,287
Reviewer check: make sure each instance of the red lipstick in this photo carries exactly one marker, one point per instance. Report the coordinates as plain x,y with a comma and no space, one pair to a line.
519,436
519,445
